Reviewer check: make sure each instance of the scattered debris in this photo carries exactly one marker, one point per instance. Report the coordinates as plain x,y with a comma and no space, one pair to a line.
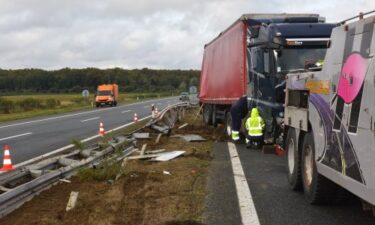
158,138
161,128
72,201
110,181
166,172
193,138
183,125
168,155
155,151
149,156
144,146
2,188
141,135
65,181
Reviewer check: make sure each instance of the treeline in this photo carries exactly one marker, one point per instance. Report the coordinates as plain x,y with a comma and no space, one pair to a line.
75,80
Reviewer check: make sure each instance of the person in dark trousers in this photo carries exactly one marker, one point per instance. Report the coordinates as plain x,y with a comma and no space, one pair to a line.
255,126
238,111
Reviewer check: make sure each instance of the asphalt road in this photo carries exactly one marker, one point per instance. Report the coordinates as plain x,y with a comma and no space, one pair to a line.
274,202
34,137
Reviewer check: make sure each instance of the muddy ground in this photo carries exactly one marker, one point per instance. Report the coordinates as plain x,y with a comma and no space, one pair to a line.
143,194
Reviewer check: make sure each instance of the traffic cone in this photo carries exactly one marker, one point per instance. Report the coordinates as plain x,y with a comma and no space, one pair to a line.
101,129
135,118
7,165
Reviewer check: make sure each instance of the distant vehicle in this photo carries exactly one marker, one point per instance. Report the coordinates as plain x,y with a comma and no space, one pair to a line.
184,96
106,94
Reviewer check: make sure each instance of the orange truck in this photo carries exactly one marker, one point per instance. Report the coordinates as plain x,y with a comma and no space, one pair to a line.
106,94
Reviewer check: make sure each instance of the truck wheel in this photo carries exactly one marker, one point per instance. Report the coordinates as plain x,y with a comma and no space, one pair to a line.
293,158
207,114
214,118
317,188
115,104
228,124
97,105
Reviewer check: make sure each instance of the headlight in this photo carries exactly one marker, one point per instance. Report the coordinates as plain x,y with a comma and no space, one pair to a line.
281,114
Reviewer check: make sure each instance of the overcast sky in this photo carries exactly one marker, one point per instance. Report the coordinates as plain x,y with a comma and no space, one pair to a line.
52,34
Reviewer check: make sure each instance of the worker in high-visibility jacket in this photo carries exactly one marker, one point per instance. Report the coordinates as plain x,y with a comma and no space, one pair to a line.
255,126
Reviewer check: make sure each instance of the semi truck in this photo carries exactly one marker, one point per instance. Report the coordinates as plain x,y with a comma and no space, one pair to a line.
330,118
251,57
106,94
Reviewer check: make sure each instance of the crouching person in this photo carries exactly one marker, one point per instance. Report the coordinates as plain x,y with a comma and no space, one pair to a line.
255,126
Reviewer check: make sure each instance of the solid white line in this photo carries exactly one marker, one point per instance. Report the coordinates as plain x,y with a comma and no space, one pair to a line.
126,111
94,118
15,136
81,113
71,145
247,208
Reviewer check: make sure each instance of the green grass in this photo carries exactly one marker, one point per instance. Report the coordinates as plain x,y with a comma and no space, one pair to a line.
28,106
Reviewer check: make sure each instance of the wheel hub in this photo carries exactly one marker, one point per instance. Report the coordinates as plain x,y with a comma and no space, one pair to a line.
291,156
308,166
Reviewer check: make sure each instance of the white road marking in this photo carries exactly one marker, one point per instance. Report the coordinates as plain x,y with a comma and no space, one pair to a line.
247,208
126,111
76,114
71,145
94,118
15,136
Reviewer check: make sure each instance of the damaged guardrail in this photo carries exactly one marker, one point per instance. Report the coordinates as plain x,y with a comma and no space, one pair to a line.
22,184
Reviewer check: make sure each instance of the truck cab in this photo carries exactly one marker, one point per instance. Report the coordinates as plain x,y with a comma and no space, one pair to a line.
279,44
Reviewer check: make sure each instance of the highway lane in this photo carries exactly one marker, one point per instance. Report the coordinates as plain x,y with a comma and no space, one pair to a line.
274,202
33,137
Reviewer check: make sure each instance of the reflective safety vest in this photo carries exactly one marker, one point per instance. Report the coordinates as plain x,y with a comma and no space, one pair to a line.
235,135
255,123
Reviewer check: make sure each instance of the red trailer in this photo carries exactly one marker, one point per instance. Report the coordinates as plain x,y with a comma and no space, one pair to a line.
223,72
224,67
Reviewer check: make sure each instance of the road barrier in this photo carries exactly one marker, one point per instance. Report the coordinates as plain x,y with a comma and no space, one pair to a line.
23,183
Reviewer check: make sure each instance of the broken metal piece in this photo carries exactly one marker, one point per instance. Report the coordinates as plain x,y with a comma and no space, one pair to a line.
193,138
72,201
155,151
36,173
163,129
158,138
168,155
183,125
143,156
144,146
141,135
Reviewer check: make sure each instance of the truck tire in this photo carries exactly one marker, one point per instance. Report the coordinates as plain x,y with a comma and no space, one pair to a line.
115,103
207,114
317,188
214,118
293,158
97,105
228,124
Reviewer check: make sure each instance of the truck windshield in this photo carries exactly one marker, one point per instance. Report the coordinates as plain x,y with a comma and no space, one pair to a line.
298,58
104,93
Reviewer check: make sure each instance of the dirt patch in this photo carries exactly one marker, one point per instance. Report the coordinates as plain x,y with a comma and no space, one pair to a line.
145,193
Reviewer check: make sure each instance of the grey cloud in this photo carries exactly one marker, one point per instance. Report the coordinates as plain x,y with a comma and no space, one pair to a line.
131,34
